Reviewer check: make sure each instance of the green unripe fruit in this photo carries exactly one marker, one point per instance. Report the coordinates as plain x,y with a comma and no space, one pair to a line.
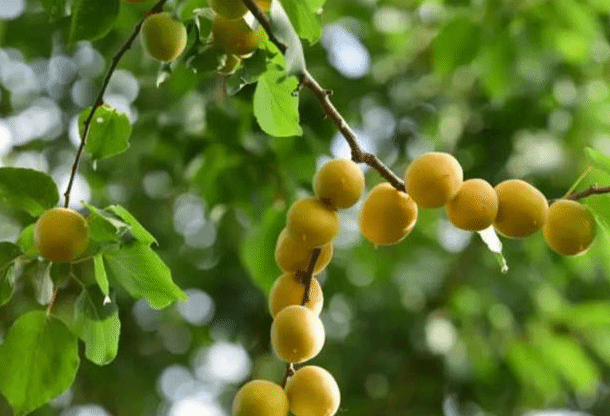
164,38
292,256
61,234
433,179
569,228
522,209
235,36
229,9
387,215
260,398
313,391
311,223
297,334
339,183
287,290
475,206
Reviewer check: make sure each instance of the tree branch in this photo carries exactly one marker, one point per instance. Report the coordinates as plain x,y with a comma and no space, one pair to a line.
592,190
158,7
323,96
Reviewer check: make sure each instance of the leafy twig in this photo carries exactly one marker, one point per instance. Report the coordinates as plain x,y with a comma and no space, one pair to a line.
158,7
323,96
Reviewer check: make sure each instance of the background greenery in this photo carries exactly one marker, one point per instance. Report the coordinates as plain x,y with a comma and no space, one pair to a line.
428,327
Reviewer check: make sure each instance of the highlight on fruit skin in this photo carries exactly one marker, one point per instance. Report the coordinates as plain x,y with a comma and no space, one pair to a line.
61,234
297,334
311,223
433,179
387,215
292,256
474,207
570,227
260,398
522,209
313,391
287,290
236,36
229,9
339,183
163,37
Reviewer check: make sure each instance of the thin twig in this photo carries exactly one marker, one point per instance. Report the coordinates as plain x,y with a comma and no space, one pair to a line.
158,7
323,96
592,190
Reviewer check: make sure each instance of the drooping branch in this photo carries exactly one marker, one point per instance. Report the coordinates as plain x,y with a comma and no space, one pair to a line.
592,190
323,96
158,7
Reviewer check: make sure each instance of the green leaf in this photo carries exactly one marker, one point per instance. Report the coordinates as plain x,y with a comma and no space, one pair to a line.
598,160
136,228
108,134
143,274
530,367
43,284
26,241
275,108
258,249
100,274
39,359
92,19
28,189
303,16
97,324
54,8
455,45
104,228
9,252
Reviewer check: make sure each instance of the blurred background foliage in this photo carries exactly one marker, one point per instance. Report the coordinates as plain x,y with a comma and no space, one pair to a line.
514,89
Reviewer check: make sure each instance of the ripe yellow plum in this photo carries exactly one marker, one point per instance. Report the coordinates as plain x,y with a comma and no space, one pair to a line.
339,183
311,223
287,290
61,234
260,398
570,227
313,391
297,334
235,36
387,215
522,209
292,256
164,38
475,206
433,179
229,9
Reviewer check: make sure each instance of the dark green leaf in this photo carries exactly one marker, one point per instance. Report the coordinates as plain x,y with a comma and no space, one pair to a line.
275,107
455,45
54,8
60,273
258,249
96,322
92,19
143,274
28,189
39,359
109,132
8,253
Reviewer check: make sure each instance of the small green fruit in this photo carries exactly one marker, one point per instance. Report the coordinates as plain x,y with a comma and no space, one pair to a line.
164,38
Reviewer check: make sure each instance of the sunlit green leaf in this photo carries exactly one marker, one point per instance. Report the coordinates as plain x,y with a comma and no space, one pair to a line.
109,132
27,189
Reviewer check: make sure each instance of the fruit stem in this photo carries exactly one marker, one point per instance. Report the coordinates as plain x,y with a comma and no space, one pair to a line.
158,7
323,96
592,190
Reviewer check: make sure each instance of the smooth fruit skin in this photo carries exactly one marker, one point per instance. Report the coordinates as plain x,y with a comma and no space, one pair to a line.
311,223
339,183
164,38
292,256
569,228
61,234
297,334
229,9
287,290
235,36
522,209
475,206
433,179
260,398
313,391
387,215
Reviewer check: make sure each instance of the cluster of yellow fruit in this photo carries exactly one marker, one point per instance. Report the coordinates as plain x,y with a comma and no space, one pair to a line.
297,333
515,208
